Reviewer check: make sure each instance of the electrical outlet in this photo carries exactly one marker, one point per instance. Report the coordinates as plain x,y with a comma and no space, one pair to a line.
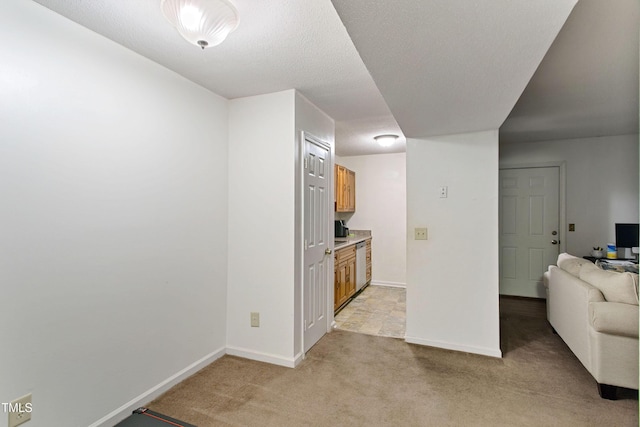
255,320
20,411
444,192
420,234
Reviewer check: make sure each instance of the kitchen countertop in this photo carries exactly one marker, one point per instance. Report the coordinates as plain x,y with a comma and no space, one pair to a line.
343,242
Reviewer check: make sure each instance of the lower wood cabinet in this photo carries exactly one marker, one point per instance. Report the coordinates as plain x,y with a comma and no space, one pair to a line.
345,275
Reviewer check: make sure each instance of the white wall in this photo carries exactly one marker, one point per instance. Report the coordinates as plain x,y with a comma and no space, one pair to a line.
113,181
452,278
381,206
601,183
261,226
264,223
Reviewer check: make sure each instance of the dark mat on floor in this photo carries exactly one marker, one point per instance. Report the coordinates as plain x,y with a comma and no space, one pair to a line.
143,417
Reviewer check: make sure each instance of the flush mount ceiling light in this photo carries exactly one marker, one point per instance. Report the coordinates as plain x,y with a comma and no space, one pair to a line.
204,23
385,140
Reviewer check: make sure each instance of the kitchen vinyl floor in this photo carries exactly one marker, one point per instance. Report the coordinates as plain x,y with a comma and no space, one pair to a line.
378,310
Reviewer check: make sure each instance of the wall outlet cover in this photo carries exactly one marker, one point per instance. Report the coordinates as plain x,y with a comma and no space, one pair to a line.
420,234
255,320
20,411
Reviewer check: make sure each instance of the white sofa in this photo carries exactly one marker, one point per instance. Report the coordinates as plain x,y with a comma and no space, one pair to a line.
595,312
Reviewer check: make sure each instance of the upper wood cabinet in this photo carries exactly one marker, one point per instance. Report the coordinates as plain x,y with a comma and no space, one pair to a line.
345,189
351,191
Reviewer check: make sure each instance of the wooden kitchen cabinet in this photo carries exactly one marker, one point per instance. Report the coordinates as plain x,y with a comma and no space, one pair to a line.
344,275
340,177
345,189
351,191
351,277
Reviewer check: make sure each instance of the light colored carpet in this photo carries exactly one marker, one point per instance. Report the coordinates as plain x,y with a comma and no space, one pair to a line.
351,379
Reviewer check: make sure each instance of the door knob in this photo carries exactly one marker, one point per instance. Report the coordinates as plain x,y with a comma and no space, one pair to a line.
554,242
554,232
327,251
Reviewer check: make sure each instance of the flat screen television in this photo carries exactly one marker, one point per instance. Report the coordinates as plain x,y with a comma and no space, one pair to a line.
627,240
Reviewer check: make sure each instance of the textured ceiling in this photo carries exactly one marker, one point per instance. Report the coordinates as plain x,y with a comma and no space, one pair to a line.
443,66
587,84
279,45
448,67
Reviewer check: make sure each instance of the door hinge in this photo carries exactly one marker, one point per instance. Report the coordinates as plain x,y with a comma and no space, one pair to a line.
306,244
305,325
306,162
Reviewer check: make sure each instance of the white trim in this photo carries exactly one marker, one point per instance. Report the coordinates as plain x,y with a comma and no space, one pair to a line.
125,410
298,358
457,347
388,284
530,165
265,357
302,152
563,207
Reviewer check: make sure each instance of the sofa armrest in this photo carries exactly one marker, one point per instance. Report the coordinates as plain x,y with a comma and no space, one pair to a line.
568,311
614,318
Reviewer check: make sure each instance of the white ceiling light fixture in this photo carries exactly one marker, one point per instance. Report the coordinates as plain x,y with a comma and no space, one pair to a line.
386,140
204,23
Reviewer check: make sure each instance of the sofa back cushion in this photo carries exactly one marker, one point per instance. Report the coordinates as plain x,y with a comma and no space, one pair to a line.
616,287
571,264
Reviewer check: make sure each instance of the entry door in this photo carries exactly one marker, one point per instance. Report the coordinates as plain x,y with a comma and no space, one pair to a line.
529,221
317,240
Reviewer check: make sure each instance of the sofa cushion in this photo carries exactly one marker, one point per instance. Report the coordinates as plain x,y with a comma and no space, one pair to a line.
616,287
614,318
571,264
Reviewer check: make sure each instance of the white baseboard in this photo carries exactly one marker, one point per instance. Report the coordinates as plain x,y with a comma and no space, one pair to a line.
125,410
390,284
264,357
457,347
299,358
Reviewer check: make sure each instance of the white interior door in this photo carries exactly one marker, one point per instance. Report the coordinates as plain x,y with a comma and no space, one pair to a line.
529,228
317,240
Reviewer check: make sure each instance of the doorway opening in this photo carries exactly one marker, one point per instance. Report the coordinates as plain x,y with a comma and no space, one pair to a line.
380,212
376,310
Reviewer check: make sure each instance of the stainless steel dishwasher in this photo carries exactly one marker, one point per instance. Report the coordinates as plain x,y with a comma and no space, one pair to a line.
361,265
